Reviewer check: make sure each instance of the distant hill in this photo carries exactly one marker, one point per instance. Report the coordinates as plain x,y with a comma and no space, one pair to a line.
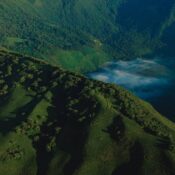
74,33
57,122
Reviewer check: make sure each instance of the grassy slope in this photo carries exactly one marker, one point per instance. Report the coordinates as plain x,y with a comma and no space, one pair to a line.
56,122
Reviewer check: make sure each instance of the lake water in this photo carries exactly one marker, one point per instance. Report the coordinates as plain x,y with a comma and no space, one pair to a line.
151,79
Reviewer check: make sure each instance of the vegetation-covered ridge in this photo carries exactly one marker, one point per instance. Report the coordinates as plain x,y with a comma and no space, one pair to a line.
55,122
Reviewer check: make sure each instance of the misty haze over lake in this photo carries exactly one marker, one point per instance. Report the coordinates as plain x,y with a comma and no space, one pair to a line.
151,79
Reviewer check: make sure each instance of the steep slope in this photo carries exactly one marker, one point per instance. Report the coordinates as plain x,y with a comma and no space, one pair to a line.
56,122
74,33
151,19
25,29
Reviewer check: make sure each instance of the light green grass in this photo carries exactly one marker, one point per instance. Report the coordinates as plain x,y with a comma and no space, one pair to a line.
12,41
84,60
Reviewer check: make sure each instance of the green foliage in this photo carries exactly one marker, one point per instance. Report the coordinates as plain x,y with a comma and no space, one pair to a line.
56,122
14,151
84,60
81,35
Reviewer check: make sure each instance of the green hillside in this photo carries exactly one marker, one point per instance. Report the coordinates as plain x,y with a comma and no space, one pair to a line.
57,122
69,32
25,29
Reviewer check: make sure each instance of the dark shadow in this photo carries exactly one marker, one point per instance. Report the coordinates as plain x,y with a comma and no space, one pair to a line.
133,167
164,143
56,116
167,163
72,141
116,129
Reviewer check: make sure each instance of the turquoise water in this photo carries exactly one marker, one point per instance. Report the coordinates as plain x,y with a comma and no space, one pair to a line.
151,79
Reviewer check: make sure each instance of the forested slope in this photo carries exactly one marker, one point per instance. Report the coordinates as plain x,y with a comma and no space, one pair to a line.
82,34
57,122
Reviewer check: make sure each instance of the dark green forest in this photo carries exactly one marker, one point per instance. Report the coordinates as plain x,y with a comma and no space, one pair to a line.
81,35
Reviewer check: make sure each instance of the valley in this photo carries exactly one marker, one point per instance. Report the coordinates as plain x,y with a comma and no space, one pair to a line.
69,33
87,87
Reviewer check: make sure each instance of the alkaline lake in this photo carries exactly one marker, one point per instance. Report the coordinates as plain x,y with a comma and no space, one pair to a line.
151,79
